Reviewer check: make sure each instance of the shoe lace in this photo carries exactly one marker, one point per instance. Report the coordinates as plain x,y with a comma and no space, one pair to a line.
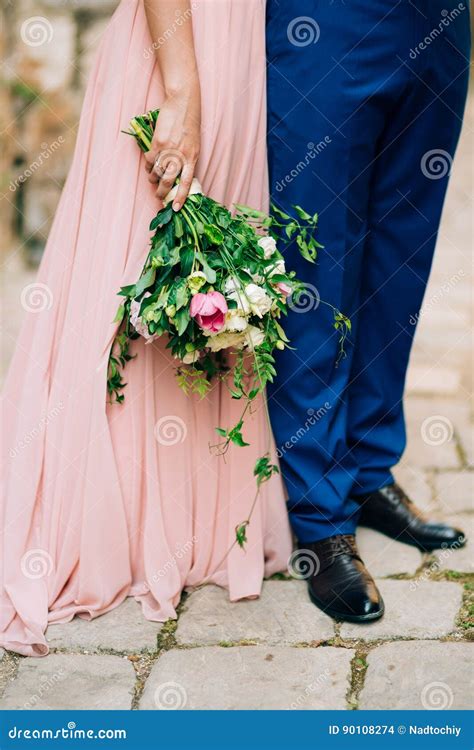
396,496
343,545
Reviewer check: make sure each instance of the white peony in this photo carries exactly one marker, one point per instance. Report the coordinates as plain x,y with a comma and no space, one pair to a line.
190,358
234,321
260,302
254,337
225,340
268,246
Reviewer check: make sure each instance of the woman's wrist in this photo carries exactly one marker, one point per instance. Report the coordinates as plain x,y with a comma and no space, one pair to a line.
183,86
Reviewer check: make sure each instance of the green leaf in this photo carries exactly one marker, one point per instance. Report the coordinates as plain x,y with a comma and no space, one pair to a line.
303,214
237,439
214,234
127,291
187,257
224,219
210,274
182,294
145,281
221,431
162,217
178,225
279,213
120,313
253,393
281,332
182,320
241,534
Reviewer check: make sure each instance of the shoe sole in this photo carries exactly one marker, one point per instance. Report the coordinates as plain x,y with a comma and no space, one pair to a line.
347,618
458,544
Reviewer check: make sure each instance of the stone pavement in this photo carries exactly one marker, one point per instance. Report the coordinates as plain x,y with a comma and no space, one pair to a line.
280,652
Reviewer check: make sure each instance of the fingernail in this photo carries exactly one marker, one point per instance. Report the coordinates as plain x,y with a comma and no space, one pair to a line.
176,206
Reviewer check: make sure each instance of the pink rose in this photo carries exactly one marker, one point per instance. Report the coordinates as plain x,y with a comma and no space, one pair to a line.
209,311
284,288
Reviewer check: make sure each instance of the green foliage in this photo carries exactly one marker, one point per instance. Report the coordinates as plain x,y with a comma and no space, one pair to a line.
198,249
264,470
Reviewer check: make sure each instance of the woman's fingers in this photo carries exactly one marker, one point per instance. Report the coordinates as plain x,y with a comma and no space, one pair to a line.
184,185
167,180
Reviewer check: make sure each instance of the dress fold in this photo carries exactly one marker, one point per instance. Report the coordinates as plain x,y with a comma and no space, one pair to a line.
104,501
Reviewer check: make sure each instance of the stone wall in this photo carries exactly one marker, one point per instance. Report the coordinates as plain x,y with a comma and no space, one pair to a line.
48,47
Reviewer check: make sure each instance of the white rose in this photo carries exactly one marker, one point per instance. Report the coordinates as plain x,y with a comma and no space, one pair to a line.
254,337
232,284
239,296
260,302
268,246
235,321
256,277
225,341
278,267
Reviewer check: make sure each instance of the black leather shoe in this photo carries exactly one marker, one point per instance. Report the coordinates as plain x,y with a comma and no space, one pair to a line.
390,511
340,584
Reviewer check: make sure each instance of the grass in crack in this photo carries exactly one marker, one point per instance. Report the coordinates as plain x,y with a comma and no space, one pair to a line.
143,663
359,666
465,619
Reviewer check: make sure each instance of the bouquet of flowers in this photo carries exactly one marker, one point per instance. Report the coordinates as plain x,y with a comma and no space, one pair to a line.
212,283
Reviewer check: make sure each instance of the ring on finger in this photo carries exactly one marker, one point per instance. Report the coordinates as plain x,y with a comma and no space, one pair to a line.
157,167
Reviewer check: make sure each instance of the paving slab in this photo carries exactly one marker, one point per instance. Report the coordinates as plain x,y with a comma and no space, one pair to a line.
455,491
426,379
68,682
386,557
123,629
424,675
430,428
462,559
416,484
282,615
249,678
413,609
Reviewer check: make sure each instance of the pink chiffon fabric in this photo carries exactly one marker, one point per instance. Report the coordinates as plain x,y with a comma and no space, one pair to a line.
101,501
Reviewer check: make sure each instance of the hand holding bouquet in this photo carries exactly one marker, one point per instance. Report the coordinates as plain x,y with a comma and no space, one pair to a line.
214,282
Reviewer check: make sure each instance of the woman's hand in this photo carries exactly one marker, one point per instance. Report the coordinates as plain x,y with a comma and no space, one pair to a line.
176,143
177,139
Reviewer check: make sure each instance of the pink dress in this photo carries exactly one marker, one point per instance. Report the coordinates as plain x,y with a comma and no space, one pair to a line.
100,501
